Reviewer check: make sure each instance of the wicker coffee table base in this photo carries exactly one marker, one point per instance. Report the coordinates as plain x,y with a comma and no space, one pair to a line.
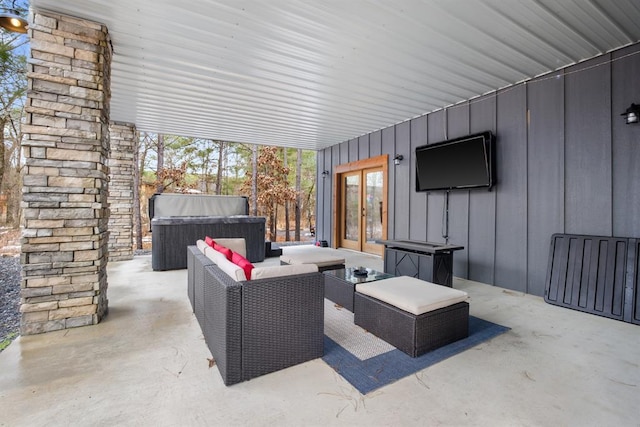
339,291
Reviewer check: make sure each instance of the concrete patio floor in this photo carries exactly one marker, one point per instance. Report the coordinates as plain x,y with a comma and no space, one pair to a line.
147,364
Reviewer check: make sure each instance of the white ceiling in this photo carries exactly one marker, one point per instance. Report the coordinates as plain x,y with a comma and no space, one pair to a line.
310,73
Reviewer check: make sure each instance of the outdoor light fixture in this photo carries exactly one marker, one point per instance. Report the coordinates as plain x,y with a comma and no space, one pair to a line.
632,113
11,21
325,173
397,159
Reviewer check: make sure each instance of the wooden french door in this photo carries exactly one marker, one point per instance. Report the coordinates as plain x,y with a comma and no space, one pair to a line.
350,212
362,199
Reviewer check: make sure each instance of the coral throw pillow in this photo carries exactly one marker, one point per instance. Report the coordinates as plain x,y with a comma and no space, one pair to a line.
243,263
223,250
209,241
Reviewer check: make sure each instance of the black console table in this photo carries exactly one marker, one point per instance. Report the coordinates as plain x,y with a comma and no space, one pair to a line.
432,262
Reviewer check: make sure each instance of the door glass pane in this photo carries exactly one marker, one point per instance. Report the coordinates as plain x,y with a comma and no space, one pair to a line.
373,200
352,210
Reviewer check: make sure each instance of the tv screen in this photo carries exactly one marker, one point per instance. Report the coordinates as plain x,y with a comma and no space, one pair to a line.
459,163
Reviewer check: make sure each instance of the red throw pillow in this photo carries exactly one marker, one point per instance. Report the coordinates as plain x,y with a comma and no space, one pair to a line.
209,241
243,263
223,250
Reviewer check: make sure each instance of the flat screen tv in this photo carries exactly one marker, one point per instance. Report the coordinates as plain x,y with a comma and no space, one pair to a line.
460,163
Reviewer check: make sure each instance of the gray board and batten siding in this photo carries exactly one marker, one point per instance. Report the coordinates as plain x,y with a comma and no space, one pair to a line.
566,163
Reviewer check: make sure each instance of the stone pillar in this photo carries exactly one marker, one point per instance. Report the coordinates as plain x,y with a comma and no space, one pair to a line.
64,242
124,148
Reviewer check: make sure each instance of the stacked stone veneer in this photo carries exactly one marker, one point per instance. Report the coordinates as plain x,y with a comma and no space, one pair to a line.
64,243
124,147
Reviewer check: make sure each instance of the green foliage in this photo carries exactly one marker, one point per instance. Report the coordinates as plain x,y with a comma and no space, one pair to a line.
5,342
5,54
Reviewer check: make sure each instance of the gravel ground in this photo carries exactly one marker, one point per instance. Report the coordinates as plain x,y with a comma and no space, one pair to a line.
9,298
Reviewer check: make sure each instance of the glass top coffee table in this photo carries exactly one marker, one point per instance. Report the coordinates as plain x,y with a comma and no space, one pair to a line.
340,285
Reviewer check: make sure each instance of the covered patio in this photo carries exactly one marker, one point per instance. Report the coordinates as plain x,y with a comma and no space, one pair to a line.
147,364
359,83
108,341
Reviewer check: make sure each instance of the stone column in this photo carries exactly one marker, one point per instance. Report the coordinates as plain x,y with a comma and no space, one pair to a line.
124,147
64,243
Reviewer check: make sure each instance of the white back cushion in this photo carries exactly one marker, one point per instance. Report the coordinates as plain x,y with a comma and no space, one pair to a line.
235,244
201,245
214,255
235,272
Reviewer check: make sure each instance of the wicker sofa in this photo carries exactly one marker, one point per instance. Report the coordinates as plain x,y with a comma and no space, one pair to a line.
257,326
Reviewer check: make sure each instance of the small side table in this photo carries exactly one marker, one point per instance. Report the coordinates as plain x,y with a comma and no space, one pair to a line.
339,285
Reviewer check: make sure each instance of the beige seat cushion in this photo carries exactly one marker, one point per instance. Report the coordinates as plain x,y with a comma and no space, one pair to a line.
282,270
319,259
412,295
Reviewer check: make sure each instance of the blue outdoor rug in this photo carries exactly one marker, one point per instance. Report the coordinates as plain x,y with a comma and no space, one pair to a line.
369,363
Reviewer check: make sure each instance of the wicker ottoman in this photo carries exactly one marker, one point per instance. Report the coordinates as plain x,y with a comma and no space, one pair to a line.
412,315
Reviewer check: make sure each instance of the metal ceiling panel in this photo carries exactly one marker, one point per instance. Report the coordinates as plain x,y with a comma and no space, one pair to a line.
309,74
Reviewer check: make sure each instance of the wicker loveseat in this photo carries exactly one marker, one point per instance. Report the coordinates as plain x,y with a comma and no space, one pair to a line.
256,326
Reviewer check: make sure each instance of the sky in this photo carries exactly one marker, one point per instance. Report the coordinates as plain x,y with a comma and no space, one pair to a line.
22,7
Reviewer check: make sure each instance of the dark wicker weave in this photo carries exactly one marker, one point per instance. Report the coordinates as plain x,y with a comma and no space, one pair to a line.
222,325
260,326
323,268
172,235
192,253
199,262
190,275
415,335
339,291
283,322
